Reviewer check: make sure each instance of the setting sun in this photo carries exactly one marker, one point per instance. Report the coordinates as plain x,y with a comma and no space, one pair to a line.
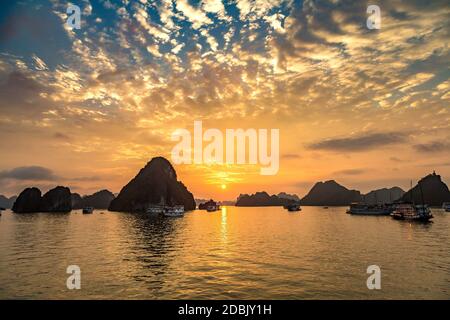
223,186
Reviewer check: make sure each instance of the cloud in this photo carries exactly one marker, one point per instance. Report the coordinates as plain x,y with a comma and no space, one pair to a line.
88,179
350,172
432,147
290,156
359,143
33,173
61,136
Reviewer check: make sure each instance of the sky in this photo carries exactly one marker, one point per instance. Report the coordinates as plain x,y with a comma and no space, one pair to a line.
87,108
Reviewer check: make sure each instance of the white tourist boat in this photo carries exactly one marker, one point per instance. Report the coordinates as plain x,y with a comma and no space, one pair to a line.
369,210
212,208
155,209
446,206
175,211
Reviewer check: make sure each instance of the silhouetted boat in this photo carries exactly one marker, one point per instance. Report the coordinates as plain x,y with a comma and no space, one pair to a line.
212,208
175,211
209,206
411,212
292,207
88,210
445,206
369,210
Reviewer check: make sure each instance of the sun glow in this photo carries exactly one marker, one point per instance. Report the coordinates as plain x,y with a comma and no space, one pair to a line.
223,186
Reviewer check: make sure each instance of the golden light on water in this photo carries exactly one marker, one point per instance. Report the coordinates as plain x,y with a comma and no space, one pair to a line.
223,229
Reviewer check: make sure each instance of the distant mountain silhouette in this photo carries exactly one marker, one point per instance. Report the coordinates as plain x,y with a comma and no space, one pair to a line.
56,200
330,193
430,189
200,201
261,199
99,200
227,203
6,202
284,195
156,183
382,196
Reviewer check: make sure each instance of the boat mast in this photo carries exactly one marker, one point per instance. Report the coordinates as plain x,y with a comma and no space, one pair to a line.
411,192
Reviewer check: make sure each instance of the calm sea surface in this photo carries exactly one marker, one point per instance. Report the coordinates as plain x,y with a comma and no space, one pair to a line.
236,253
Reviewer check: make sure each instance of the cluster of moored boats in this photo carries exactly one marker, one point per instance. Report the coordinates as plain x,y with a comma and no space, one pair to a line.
399,211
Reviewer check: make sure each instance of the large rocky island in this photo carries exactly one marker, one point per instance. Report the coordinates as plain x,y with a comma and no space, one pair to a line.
431,190
330,193
156,183
55,200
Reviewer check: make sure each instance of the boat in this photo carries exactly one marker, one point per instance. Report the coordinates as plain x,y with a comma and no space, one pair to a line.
325,207
293,207
411,212
209,206
212,208
88,210
155,209
369,210
175,211
445,206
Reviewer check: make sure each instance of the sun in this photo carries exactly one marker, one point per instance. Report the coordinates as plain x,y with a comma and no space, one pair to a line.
223,186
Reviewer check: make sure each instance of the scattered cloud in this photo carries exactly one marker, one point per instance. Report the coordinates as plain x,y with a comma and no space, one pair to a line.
32,173
433,146
350,172
359,143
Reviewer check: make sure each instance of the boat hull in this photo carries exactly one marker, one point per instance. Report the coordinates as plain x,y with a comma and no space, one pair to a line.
177,211
369,213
